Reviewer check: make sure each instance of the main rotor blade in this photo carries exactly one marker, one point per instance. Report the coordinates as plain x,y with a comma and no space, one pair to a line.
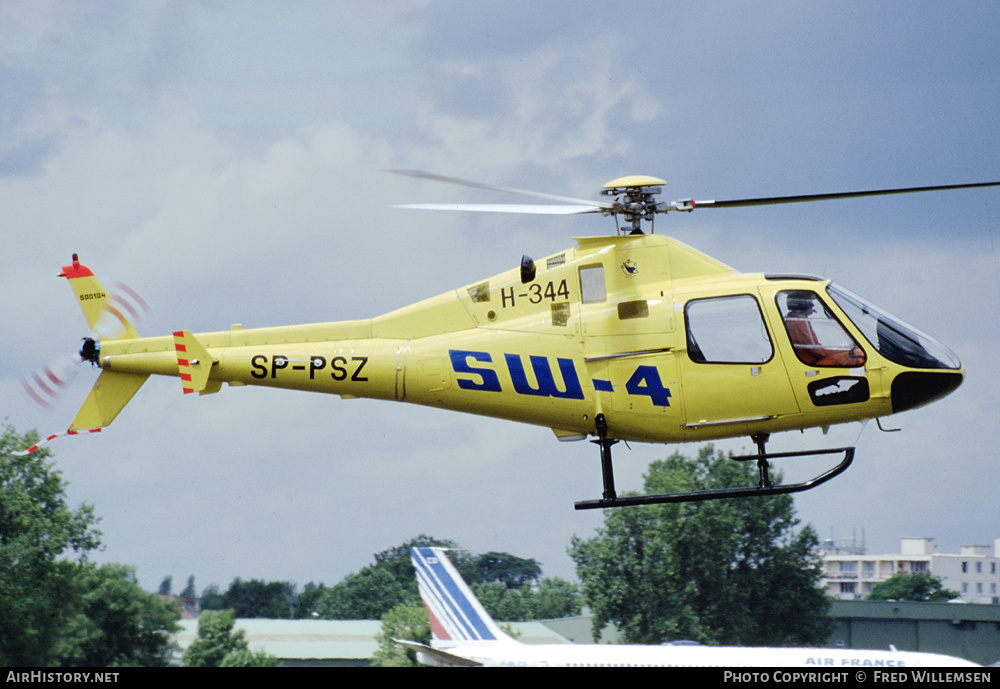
510,190
840,195
536,209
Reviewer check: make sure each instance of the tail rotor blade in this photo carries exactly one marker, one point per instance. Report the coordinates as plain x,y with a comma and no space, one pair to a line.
46,385
123,307
127,299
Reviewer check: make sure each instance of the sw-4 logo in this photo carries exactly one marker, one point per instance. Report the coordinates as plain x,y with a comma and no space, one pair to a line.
479,374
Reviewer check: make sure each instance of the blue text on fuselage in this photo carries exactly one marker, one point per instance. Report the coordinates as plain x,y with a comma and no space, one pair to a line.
645,381
484,378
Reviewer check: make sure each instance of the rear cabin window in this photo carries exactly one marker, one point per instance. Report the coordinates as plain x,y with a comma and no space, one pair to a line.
592,288
727,330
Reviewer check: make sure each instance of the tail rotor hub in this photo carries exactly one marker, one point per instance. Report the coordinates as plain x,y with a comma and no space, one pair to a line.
91,351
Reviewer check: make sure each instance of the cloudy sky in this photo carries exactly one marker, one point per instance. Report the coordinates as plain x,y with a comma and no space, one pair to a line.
226,160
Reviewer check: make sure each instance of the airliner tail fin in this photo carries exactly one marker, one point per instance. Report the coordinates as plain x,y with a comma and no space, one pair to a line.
456,615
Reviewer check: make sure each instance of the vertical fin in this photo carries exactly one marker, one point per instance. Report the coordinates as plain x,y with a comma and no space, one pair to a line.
455,613
93,298
194,363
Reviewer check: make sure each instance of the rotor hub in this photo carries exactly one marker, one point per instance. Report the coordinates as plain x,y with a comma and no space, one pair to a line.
635,199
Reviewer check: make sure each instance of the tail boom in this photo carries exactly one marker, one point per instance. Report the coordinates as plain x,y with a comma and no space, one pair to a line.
277,357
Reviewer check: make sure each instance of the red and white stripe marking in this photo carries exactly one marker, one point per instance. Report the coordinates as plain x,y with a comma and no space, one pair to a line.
48,439
183,364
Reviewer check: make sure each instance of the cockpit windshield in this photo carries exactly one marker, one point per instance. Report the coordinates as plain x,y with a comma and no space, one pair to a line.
892,338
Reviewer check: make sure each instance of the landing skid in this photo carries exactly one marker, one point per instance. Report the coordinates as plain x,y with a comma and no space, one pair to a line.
763,487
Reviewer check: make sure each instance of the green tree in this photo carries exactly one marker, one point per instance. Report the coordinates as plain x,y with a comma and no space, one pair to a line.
921,586
40,535
509,570
503,603
375,589
555,598
188,594
720,572
366,595
244,657
218,645
56,608
407,622
166,586
305,604
118,624
211,598
551,598
257,598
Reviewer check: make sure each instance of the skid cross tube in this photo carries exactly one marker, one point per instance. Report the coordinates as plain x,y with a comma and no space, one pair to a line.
765,487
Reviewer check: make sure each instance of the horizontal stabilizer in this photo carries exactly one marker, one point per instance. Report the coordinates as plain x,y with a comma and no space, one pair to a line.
436,656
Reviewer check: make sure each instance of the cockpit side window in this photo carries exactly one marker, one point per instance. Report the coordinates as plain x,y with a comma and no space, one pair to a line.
816,335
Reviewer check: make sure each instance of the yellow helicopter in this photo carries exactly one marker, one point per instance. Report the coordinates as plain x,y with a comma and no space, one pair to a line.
634,336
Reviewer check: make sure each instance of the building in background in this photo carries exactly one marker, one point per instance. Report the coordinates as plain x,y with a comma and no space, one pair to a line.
974,572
